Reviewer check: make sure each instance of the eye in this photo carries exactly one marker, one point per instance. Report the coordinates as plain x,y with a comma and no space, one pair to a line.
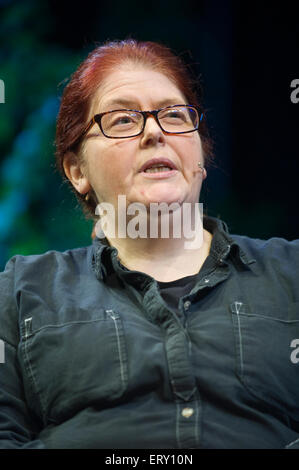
175,114
120,119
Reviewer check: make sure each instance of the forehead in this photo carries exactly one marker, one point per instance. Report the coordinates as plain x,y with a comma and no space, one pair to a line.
138,87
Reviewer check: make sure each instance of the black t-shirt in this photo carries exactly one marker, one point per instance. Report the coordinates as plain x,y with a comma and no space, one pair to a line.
172,291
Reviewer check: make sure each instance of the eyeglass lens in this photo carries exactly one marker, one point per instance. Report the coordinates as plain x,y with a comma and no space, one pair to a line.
126,123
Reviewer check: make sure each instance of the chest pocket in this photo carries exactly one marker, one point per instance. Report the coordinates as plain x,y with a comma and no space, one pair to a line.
74,365
264,337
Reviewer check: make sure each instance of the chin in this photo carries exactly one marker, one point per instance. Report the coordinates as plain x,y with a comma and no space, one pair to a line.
166,200
168,196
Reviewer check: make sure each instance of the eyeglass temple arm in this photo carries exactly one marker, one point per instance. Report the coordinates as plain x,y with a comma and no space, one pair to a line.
89,125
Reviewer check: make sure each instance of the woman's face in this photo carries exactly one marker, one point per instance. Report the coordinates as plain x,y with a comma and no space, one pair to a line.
112,166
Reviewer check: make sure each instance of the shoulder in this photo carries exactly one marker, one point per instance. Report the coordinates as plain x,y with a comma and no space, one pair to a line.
38,284
272,247
277,254
46,266
275,249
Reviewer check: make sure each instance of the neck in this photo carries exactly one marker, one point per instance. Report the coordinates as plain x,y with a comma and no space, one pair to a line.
165,259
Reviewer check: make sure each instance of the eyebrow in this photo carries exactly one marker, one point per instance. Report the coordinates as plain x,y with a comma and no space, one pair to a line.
132,104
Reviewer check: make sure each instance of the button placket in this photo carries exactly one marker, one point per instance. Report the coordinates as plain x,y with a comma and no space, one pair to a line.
188,424
187,412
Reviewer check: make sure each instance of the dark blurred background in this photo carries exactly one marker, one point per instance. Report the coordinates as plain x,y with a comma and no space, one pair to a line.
245,55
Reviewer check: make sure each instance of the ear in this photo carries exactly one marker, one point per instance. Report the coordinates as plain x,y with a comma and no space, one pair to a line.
73,171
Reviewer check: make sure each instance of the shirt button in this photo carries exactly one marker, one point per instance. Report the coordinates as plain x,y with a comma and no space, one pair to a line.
187,304
187,412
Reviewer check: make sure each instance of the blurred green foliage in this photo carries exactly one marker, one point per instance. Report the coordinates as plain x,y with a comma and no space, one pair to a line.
37,211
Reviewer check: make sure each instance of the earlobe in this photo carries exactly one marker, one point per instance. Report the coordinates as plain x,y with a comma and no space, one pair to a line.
73,171
202,170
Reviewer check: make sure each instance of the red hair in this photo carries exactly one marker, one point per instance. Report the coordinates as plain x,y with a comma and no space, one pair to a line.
79,92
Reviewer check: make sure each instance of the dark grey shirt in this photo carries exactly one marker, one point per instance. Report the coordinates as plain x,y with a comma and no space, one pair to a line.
97,356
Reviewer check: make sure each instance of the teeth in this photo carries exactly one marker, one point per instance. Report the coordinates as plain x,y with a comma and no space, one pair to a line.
157,169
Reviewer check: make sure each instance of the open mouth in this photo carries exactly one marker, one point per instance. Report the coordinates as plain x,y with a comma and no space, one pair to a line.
158,169
158,165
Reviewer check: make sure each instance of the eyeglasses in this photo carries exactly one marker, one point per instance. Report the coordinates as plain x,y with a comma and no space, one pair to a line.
124,123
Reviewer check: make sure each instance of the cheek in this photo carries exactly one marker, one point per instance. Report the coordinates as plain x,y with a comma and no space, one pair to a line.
197,146
108,167
190,148
119,160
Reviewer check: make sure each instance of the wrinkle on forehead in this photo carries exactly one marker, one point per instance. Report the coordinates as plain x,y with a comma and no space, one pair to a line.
122,84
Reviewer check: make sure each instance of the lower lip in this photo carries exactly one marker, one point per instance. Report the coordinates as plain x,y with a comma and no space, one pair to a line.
159,175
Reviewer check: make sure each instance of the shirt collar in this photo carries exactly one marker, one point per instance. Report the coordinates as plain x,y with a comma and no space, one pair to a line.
223,243
102,258
223,246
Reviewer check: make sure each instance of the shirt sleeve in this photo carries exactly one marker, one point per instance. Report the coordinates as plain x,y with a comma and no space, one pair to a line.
18,429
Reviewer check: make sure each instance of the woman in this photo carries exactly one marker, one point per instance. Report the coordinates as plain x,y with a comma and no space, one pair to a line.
139,342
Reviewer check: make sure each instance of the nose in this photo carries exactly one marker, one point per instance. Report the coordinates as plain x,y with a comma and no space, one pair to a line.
152,133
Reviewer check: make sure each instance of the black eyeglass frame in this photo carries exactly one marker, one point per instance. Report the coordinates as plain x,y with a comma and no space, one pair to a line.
97,118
